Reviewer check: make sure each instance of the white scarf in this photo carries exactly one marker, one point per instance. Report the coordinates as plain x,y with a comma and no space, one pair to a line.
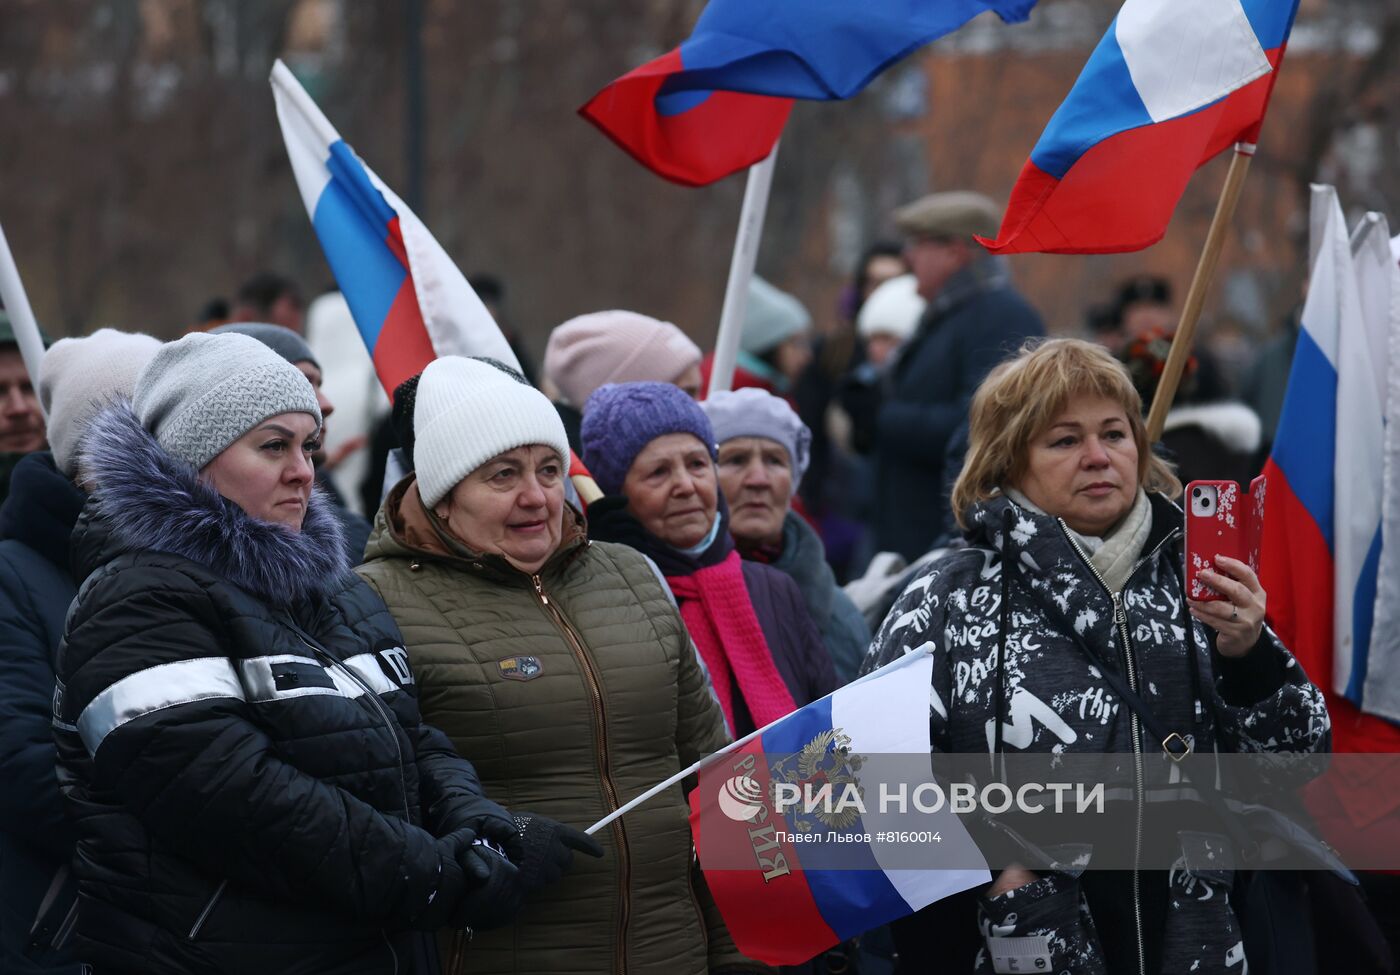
1114,554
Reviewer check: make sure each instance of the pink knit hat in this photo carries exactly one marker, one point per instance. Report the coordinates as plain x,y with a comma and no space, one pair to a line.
615,347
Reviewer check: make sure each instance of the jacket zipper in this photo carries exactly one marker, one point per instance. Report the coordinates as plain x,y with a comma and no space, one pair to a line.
595,691
383,712
389,725
1120,619
208,909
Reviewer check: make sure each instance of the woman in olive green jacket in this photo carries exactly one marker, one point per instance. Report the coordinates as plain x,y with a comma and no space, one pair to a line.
562,668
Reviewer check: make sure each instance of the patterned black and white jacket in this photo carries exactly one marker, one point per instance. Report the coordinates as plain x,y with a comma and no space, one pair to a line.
1006,669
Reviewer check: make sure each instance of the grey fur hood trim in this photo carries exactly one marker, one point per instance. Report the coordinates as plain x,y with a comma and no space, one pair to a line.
150,499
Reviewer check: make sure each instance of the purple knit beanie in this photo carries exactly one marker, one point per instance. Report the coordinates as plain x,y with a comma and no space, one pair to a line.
620,419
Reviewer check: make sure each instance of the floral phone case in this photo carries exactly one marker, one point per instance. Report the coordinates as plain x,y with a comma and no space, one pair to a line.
1221,519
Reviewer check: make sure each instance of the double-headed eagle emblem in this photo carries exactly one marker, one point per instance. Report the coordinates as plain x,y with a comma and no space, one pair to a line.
825,760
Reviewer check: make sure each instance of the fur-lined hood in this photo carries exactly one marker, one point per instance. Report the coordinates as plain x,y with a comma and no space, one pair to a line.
147,499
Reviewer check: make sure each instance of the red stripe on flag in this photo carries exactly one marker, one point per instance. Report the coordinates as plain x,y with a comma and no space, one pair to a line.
1121,193
756,880
1295,569
403,348
727,132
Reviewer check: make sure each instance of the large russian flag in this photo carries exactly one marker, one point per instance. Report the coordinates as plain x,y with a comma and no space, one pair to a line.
409,300
1297,564
1169,87
777,911
717,104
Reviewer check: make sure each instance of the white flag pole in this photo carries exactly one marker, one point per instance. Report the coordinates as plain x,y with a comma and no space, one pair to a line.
736,294
31,345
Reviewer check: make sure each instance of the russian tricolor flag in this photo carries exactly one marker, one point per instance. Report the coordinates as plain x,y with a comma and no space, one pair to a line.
1171,85
777,911
1311,560
718,103
409,300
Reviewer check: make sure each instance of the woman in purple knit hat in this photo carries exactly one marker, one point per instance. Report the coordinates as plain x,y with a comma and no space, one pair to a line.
652,451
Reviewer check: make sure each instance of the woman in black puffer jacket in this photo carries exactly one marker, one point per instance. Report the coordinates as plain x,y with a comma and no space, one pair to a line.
239,738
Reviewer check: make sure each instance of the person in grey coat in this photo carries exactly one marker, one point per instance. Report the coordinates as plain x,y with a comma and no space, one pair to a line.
974,319
764,448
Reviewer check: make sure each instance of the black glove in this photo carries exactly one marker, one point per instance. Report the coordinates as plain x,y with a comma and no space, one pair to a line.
442,903
548,849
488,821
493,889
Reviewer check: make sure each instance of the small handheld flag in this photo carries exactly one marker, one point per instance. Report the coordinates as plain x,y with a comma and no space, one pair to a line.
717,104
409,300
777,911
1169,87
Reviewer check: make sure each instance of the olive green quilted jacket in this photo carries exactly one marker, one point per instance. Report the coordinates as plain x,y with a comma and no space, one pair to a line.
571,691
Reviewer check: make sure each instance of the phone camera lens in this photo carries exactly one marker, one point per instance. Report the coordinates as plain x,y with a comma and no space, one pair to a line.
1196,493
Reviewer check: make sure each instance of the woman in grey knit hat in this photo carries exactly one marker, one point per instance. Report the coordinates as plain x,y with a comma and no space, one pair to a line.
239,737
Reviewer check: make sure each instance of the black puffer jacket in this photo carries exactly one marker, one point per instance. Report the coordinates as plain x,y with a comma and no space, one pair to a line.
1047,697
239,739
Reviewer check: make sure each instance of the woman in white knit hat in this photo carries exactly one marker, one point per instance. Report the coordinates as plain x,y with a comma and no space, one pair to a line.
238,734
562,667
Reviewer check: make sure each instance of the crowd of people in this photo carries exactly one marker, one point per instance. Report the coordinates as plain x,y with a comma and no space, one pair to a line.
256,717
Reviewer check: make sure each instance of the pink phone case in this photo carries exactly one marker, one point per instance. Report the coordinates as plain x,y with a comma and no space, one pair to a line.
1229,526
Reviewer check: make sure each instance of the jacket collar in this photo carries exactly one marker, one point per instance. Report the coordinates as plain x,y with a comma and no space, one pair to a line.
1039,535
406,527
147,499
984,274
610,521
42,508
804,559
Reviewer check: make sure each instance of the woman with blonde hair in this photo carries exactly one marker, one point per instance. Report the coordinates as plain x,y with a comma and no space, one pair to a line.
1063,628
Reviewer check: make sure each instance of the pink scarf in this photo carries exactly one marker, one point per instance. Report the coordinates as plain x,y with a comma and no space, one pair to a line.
717,610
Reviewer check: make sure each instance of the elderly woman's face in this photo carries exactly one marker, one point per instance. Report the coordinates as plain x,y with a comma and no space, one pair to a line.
511,506
267,472
756,476
1083,467
672,490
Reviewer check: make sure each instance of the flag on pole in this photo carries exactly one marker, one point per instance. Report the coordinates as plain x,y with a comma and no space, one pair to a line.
717,104
1360,454
1169,87
777,911
409,300
1378,278
1298,564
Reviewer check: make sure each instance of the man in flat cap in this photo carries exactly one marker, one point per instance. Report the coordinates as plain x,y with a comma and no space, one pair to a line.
974,318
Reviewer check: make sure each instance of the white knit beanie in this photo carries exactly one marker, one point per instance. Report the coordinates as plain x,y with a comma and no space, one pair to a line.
894,308
466,412
80,376
615,347
203,392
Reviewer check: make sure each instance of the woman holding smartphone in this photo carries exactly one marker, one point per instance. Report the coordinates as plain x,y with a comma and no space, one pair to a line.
1069,594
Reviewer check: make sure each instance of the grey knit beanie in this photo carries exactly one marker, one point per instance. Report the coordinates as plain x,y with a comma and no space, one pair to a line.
200,394
280,339
79,376
751,412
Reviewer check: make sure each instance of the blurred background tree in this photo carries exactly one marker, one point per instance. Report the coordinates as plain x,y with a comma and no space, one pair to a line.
144,172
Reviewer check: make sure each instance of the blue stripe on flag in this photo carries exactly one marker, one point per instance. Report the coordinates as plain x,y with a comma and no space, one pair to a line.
1102,103
1271,19
352,225
860,897
1363,611
1305,447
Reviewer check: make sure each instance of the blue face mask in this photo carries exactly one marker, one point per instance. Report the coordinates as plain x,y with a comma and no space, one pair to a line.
699,547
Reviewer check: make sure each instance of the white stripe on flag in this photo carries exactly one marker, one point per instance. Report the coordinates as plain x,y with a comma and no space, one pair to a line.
1376,267
1184,54
1360,437
887,719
